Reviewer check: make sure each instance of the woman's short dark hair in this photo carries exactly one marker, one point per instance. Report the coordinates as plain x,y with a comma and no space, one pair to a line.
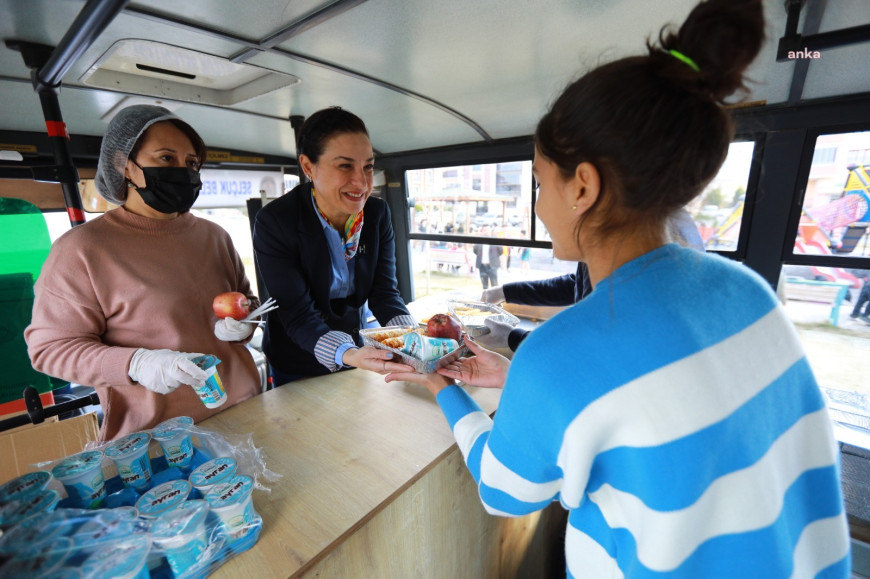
653,125
189,132
322,126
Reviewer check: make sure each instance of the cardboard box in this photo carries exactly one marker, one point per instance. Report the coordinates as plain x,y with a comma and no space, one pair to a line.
20,448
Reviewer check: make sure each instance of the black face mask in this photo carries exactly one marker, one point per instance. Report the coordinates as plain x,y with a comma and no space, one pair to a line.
169,189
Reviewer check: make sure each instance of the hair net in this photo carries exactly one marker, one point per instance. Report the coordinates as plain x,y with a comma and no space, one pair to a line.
123,132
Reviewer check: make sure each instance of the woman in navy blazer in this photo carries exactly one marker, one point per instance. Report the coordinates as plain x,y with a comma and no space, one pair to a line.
325,250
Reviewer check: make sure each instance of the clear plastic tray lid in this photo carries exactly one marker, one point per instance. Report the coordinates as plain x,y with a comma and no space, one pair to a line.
473,315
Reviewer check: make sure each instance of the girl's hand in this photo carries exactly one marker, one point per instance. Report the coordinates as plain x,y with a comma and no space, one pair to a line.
486,369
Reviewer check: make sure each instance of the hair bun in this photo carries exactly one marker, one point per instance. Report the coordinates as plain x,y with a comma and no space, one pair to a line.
722,37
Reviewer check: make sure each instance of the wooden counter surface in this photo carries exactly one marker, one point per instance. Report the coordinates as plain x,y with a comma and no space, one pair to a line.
366,467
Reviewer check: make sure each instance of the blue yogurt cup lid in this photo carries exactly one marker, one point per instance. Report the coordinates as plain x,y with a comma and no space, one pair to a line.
129,445
105,527
207,361
16,511
169,429
40,560
214,471
186,518
32,482
77,464
162,498
120,559
232,492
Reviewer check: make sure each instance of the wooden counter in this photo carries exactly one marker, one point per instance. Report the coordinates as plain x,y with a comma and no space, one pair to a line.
373,485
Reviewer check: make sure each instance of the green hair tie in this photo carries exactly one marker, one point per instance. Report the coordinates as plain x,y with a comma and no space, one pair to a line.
680,56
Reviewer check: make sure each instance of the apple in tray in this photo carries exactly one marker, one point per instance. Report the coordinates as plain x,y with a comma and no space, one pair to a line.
444,326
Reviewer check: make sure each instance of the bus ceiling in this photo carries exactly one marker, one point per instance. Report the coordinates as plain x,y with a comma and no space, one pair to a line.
423,75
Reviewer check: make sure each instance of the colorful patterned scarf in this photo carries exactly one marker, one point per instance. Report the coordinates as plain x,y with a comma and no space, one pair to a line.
352,229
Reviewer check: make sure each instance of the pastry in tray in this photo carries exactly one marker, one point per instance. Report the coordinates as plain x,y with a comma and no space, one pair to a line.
391,338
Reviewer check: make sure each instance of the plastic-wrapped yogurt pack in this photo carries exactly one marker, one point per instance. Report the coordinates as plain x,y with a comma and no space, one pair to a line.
148,526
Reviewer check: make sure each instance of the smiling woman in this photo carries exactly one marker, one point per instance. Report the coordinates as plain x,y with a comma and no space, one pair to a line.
331,220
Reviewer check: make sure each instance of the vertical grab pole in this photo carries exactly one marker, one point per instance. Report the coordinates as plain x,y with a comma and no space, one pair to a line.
46,74
67,175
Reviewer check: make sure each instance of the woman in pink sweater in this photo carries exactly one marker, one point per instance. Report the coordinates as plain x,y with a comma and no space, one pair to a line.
124,301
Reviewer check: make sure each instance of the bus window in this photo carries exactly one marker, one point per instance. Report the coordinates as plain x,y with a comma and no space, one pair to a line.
829,301
463,200
718,210
486,201
836,207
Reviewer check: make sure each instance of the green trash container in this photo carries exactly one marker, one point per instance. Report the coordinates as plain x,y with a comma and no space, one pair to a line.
16,303
24,245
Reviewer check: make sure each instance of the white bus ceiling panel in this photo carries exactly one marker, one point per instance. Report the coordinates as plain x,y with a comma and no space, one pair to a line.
840,14
123,26
499,63
846,67
20,106
252,19
46,21
843,68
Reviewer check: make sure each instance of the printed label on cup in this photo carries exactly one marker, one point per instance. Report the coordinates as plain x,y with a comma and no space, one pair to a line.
130,455
212,393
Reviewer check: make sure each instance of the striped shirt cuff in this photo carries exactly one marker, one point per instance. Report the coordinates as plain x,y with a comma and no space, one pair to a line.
403,320
326,348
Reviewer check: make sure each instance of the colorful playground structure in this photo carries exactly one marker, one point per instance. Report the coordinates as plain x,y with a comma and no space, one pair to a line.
838,227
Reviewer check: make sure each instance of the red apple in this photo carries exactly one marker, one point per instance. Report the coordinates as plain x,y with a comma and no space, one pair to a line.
231,305
444,326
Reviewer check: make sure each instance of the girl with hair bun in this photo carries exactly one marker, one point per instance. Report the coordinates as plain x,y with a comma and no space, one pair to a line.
693,439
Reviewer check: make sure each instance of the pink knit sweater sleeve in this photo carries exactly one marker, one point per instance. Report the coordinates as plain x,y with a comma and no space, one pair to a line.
63,339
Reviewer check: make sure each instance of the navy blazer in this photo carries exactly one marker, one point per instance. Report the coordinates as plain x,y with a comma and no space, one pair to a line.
293,258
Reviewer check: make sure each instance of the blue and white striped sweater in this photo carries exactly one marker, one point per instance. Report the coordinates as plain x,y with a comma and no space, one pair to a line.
674,413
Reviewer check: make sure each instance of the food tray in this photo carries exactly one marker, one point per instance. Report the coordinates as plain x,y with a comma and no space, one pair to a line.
474,322
418,365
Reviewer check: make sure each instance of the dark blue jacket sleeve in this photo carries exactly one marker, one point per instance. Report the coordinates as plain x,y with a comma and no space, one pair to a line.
565,290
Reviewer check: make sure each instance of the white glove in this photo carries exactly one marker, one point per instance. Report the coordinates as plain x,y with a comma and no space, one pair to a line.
493,295
230,330
497,337
162,371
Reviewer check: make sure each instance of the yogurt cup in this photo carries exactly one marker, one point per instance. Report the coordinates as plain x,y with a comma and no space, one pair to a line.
181,534
130,455
163,498
66,573
212,393
124,559
210,473
102,529
427,349
82,477
24,536
32,482
126,513
16,511
174,439
232,503
42,560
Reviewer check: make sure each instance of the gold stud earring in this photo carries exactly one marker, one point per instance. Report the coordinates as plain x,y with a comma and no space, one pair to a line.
573,208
